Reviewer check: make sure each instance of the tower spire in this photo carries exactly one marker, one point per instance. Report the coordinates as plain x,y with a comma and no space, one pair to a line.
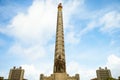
59,59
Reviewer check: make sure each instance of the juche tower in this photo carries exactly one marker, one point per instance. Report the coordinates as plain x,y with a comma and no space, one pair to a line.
59,71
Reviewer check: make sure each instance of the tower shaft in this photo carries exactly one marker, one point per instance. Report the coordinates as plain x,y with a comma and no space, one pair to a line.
59,71
59,59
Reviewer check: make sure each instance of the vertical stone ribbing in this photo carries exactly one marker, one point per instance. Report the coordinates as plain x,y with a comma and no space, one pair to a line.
59,59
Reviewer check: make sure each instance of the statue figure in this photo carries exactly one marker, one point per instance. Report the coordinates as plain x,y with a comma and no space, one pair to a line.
60,64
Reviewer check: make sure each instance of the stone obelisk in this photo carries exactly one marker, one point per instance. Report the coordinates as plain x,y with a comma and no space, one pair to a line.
59,58
59,71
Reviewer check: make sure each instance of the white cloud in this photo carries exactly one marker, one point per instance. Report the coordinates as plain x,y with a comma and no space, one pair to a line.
71,38
85,73
114,64
32,26
89,27
40,20
110,21
31,72
30,53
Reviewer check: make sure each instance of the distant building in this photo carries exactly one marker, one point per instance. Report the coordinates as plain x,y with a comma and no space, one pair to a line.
16,74
1,78
119,78
103,74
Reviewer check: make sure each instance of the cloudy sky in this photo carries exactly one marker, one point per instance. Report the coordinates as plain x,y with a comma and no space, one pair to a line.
92,36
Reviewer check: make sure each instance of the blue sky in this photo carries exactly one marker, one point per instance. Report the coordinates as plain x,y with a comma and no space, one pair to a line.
91,28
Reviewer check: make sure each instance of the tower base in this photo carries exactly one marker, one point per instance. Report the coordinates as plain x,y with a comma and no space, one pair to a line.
59,76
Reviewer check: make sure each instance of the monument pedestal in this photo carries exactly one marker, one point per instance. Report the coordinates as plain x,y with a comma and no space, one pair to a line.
59,76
